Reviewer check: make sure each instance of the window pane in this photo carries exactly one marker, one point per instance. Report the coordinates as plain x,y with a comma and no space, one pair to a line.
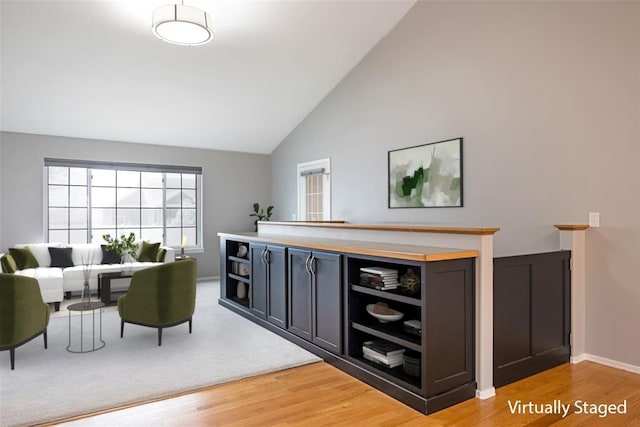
78,176
174,198
103,218
58,236
78,236
103,197
128,179
173,218
152,218
103,177
58,175
78,218
97,233
190,233
128,230
174,237
173,180
151,198
152,234
128,218
58,195
188,180
189,198
58,218
188,217
128,197
152,179
78,196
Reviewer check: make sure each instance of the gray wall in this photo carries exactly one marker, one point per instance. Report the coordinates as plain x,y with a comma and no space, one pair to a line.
231,183
547,98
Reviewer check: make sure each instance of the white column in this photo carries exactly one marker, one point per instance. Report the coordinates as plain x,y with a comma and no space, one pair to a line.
484,319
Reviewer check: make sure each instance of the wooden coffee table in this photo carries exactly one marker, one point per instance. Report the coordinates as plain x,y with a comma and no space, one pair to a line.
104,285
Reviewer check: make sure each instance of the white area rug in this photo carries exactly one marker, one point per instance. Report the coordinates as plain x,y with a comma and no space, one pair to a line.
53,384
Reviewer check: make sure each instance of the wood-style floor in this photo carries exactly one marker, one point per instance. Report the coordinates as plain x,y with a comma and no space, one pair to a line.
320,395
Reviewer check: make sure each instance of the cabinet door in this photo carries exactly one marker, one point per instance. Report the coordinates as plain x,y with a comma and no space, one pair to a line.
277,287
327,291
258,288
299,293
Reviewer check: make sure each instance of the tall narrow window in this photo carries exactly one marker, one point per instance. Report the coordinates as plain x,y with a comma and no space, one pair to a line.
157,203
314,190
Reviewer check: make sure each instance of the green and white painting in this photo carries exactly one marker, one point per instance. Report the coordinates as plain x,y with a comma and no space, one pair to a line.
425,176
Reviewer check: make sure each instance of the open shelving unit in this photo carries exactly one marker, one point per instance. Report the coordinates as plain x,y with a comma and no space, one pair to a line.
231,278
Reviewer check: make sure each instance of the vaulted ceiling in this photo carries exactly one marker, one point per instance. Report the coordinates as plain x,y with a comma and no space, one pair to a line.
93,69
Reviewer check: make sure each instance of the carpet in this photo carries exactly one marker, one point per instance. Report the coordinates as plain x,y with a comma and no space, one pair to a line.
54,384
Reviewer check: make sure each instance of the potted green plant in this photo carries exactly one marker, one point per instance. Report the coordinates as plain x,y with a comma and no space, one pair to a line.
260,214
122,246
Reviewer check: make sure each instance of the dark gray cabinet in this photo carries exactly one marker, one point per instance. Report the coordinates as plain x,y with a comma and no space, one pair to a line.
315,297
268,289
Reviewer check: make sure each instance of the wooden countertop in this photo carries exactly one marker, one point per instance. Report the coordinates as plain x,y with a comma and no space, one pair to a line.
389,250
578,227
389,227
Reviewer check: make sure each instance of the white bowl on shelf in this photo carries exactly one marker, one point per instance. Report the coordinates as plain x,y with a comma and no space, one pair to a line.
385,318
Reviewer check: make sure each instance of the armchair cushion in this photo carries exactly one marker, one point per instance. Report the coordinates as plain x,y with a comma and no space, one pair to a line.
23,314
148,252
8,264
161,295
61,257
24,258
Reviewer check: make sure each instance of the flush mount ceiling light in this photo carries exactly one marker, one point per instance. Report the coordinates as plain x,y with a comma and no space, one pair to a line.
183,25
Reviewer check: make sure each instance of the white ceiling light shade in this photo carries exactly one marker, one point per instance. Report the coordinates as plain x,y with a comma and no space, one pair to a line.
183,25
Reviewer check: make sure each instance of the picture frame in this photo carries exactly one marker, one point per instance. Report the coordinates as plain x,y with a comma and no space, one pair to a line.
426,176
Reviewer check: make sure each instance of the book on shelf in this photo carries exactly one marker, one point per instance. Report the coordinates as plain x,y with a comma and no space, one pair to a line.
375,278
384,348
395,358
381,271
379,286
381,362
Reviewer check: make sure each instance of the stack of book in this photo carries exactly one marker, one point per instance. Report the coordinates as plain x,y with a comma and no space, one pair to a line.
383,353
379,278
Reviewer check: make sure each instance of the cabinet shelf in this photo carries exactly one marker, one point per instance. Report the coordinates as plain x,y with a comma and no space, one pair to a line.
244,279
386,294
238,259
395,336
241,301
396,374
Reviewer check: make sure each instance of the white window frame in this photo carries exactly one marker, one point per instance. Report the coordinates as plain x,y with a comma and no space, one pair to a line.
191,247
326,187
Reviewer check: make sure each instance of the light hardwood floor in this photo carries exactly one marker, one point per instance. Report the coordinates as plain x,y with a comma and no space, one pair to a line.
320,395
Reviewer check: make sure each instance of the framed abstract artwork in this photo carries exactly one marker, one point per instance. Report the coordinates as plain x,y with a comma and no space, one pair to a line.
426,176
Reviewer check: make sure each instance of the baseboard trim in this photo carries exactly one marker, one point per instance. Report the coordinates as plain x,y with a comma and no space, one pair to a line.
613,363
486,393
579,358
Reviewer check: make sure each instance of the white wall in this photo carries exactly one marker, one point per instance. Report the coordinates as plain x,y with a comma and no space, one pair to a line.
547,98
231,183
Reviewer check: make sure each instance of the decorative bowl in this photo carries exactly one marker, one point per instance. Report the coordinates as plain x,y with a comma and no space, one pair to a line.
385,318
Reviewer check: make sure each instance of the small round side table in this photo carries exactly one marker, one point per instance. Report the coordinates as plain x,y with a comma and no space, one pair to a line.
81,307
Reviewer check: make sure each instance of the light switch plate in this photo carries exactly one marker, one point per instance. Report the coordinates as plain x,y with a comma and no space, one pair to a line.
594,219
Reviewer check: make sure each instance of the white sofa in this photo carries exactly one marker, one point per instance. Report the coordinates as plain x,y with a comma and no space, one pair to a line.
55,281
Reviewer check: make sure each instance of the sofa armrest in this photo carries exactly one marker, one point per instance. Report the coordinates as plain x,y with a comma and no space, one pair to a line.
170,256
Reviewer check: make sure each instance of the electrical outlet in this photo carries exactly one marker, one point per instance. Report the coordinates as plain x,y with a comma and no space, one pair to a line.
594,219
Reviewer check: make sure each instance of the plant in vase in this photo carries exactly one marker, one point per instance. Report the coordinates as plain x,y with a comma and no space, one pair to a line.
260,214
122,246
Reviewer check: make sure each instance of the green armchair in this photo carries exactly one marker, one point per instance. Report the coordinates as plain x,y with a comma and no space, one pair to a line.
160,297
23,314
